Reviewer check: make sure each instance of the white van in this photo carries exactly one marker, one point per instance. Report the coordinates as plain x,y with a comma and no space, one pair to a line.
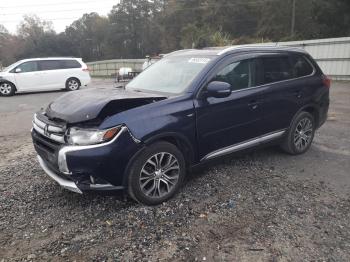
39,74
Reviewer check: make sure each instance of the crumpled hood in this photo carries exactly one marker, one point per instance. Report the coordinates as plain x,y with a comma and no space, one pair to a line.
85,105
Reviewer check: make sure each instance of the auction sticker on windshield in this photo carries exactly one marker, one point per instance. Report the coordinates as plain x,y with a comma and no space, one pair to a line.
199,60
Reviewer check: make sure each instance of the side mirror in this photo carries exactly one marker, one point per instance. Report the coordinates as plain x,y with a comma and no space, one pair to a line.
18,70
218,89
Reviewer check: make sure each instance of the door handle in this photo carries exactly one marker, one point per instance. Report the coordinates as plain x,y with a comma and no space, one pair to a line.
253,104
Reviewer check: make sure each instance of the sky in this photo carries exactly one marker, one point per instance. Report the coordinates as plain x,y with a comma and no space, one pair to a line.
60,12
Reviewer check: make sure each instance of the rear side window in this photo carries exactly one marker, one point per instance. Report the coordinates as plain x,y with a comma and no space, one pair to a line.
239,75
49,64
70,64
301,67
275,69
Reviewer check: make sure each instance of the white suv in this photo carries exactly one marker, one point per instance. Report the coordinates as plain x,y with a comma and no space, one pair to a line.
39,74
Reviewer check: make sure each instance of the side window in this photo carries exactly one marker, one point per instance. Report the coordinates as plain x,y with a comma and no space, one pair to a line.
276,69
70,64
49,65
238,74
301,67
30,66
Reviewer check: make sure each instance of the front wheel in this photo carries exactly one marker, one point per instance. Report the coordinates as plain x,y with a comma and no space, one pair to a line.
7,89
72,84
156,174
300,134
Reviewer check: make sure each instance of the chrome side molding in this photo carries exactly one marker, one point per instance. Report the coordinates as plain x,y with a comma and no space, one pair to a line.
243,145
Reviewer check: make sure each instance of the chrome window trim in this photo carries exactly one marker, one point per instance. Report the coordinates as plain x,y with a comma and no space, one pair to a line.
278,82
269,84
244,145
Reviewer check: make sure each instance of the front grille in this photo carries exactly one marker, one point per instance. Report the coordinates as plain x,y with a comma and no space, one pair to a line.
47,149
49,130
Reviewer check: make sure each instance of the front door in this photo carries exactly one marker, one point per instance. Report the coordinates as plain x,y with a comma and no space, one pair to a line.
27,76
225,122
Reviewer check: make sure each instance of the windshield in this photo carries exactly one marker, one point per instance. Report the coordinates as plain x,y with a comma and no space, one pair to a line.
169,75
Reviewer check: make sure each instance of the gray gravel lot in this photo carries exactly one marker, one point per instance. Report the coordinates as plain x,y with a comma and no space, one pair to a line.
258,206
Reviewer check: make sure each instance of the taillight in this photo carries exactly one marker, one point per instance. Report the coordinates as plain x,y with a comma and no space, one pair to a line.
326,81
86,69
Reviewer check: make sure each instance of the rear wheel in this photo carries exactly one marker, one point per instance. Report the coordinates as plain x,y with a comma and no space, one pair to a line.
72,84
300,135
156,174
7,89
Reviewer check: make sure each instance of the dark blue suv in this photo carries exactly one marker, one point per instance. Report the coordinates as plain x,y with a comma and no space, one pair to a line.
190,107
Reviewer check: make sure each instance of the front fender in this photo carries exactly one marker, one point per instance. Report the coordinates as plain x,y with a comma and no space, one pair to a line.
174,117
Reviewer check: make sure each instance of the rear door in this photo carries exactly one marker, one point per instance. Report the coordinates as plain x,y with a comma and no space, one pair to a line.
225,122
53,76
283,75
27,76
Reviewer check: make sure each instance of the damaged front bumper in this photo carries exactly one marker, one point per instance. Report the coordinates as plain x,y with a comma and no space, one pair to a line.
99,167
65,183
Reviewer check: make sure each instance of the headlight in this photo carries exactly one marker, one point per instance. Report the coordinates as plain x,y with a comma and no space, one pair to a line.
78,136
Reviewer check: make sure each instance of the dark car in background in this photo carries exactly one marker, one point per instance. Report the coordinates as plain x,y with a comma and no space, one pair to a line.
190,107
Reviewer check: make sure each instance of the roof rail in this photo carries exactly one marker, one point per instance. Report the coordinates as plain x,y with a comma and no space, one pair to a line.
269,45
180,51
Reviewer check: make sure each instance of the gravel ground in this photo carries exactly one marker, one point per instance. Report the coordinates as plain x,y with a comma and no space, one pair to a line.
258,206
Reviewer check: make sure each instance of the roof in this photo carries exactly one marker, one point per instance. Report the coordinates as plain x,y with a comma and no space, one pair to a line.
211,51
49,58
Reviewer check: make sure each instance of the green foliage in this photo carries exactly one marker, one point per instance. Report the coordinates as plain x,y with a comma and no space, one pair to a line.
136,28
220,38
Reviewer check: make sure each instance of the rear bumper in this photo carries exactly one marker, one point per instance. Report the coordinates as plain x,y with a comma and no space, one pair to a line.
85,80
323,112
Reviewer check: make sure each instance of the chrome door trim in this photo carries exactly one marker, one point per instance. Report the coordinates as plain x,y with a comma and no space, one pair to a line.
244,145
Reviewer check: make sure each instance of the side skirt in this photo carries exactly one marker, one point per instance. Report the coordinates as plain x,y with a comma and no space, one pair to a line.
244,145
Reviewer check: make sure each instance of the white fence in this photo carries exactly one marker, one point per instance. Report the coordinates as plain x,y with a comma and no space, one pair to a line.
332,54
111,67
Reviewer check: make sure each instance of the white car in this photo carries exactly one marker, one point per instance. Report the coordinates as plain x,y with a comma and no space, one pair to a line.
44,74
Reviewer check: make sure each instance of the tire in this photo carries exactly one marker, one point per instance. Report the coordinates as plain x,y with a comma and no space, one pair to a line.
300,134
73,84
7,89
148,182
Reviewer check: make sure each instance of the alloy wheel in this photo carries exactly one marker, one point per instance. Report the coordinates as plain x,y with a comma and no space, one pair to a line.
303,134
73,84
5,88
159,175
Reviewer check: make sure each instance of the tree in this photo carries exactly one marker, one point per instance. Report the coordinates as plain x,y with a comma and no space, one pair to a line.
133,32
10,46
135,28
32,26
333,17
88,35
